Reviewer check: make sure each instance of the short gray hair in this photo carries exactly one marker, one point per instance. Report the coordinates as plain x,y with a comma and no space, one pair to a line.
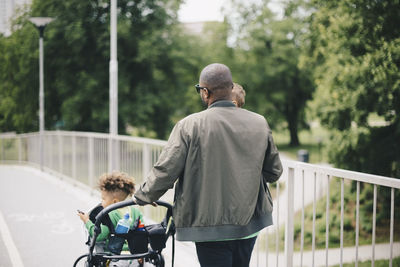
216,76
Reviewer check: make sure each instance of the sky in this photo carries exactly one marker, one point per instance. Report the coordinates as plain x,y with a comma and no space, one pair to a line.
210,10
201,10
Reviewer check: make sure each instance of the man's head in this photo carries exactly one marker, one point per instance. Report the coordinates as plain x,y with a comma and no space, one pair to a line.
216,83
238,95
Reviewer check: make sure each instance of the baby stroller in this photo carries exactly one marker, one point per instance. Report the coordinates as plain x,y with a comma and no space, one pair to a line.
155,235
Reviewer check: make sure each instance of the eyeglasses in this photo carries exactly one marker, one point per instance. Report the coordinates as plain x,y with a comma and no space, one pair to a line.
198,87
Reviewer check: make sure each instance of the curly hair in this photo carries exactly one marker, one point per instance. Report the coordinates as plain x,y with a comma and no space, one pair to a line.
116,182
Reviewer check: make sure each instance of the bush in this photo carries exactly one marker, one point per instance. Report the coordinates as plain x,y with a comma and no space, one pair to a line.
297,231
321,227
366,224
346,199
334,199
308,237
347,208
347,224
334,238
333,220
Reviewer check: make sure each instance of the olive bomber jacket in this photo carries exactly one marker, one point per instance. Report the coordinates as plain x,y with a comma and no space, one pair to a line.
221,160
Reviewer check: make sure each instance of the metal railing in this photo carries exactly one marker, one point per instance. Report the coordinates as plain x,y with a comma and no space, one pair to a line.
308,185
83,157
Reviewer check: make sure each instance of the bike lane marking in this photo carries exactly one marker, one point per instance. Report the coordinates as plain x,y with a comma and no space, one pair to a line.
9,243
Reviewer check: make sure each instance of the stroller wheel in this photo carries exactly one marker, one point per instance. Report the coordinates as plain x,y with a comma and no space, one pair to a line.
160,261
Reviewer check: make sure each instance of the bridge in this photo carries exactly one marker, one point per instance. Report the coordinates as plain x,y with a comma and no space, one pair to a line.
40,194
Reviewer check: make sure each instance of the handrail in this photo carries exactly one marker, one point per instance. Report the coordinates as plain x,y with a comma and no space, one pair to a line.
90,134
352,175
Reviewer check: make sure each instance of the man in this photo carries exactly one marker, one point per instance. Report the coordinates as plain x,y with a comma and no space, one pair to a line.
222,159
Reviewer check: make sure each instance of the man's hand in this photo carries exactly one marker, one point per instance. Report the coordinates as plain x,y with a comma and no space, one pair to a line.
142,203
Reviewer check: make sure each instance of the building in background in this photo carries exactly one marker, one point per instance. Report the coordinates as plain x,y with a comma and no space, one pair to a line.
8,9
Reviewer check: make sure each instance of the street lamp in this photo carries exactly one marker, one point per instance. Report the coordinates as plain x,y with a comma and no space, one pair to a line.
113,110
41,23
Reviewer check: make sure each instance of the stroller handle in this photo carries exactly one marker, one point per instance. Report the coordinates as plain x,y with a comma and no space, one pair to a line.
126,203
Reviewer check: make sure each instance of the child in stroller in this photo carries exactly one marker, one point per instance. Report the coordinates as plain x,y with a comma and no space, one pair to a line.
105,244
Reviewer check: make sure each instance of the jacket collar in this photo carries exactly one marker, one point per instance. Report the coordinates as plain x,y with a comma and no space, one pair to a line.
222,103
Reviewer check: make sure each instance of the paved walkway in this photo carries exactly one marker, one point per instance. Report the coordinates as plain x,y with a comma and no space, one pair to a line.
39,219
382,251
39,225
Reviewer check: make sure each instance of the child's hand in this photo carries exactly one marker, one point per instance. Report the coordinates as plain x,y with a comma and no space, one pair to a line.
84,217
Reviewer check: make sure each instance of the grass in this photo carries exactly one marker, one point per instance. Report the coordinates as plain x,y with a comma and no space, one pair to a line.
312,140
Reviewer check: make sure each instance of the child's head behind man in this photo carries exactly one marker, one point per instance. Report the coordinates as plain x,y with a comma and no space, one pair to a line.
115,187
238,95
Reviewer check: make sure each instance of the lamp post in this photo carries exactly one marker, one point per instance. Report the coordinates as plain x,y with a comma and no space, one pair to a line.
41,23
113,109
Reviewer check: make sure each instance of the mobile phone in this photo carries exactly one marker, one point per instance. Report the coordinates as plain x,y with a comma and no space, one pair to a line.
81,212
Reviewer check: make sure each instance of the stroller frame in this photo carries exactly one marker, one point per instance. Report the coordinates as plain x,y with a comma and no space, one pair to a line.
94,259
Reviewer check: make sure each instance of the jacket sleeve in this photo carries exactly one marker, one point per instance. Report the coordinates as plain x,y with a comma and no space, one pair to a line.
272,166
168,168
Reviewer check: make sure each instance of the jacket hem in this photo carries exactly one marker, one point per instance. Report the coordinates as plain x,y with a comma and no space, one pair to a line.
206,233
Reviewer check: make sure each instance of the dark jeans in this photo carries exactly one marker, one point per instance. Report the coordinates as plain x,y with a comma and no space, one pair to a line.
234,253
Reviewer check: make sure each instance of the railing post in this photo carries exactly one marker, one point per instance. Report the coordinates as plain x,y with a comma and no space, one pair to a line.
110,153
74,156
91,161
2,150
116,154
19,150
60,153
289,219
41,150
50,152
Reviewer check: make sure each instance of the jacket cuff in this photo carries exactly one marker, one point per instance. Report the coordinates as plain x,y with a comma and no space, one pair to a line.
139,201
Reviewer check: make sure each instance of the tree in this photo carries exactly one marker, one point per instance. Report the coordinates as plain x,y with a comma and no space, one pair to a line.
355,49
268,51
19,81
77,66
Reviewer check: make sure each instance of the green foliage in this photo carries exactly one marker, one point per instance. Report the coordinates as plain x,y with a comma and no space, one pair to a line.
297,231
347,224
154,69
349,219
355,52
266,52
19,70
